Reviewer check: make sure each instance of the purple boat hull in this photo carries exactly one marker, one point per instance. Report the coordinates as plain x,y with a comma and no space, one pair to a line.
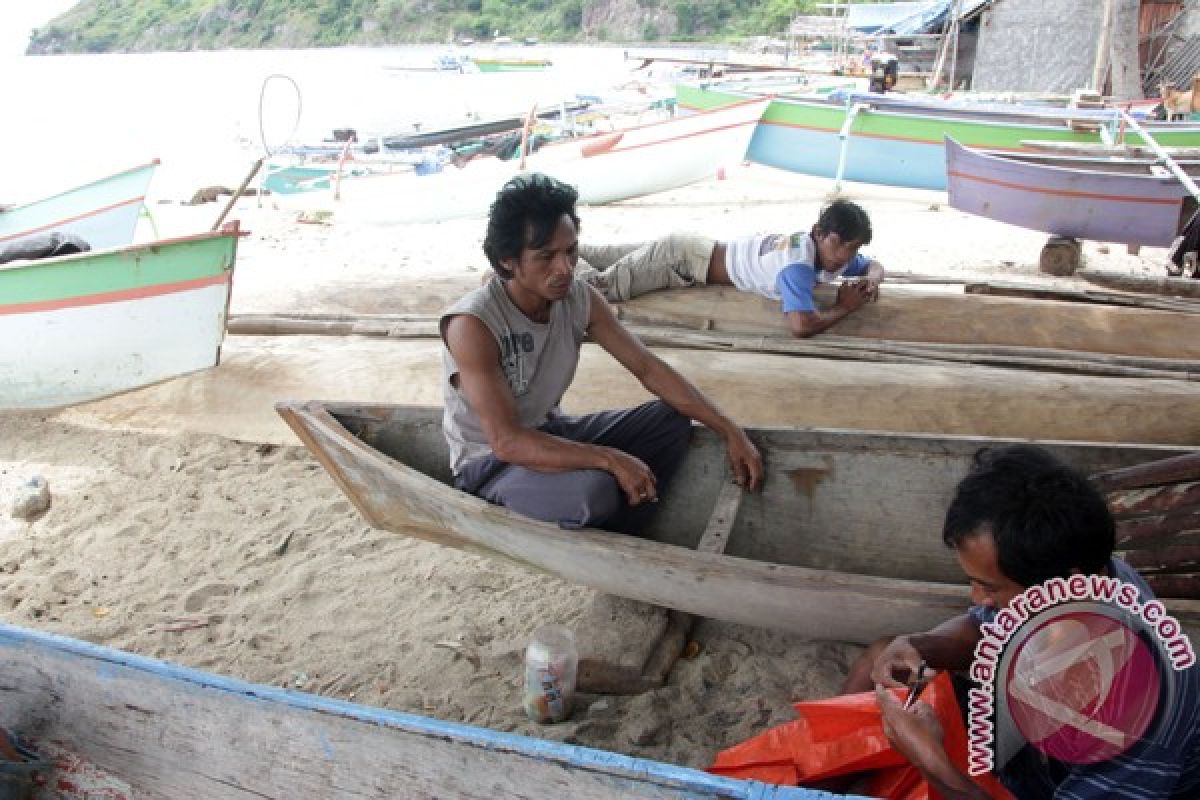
1136,209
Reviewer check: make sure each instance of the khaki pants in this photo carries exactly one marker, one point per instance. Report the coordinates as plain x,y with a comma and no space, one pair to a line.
624,271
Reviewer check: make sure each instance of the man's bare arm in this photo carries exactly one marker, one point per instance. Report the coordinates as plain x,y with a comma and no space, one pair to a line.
487,393
673,389
950,645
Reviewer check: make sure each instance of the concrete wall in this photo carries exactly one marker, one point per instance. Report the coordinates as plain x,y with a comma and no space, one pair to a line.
1037,45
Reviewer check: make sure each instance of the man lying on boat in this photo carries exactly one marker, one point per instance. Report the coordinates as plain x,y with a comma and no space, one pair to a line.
1018,520
512,347
778,267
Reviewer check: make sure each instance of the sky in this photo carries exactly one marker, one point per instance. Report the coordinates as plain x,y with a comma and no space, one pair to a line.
19,17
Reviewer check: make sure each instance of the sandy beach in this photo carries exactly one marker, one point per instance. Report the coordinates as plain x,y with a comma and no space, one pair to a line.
185,528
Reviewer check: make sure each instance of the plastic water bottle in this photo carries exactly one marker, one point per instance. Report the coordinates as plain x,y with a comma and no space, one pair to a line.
551,662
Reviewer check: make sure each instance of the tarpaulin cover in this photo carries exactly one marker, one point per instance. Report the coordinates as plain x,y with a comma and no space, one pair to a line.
844,736
925,16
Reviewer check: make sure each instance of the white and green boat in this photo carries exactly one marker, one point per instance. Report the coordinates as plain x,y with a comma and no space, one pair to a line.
104,213
84,326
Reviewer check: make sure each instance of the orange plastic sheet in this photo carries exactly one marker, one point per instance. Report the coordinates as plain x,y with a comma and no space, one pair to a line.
844,736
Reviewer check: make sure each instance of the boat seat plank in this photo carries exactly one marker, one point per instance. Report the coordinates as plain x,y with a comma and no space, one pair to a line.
720,524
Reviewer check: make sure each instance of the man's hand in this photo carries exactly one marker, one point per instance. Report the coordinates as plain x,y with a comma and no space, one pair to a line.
872,284
745,460
915,733
634,477
897,665
852,295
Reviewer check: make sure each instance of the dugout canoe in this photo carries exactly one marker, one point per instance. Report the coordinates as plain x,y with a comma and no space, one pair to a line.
93,324
918,314
172,732
842,543
104,213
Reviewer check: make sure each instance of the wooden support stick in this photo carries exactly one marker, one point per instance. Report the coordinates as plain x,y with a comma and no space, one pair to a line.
234,198
1169,287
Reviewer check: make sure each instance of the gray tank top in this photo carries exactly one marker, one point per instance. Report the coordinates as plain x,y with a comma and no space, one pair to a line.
538,360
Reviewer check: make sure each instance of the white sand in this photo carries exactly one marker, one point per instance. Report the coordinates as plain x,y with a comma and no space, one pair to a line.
244,559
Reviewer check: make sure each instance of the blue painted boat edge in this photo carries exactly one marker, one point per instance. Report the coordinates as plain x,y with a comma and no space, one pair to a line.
569,755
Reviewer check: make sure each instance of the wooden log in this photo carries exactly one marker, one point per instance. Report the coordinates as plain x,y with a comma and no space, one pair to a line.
1156,473
1181,586
1168,287
1128,503
1140,531
1172,558
1060,256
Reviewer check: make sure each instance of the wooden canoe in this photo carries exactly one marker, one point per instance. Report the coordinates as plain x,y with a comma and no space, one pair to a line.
105,321
172,732
842,543
104,213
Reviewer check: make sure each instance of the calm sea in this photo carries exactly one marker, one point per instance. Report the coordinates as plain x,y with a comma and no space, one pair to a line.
208,115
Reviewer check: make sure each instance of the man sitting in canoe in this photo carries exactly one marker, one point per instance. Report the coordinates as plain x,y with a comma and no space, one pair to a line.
778,267
512,347
1019,519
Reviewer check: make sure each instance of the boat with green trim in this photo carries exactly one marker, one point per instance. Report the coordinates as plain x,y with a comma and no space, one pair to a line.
897,142
104,213
511,64
93,324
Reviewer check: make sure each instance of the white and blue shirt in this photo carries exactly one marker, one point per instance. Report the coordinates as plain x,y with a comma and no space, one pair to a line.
783,268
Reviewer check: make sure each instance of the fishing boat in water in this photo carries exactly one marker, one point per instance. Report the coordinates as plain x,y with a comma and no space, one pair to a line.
168,731
1127,199
510,64
105,321
104,213
841,543
899,142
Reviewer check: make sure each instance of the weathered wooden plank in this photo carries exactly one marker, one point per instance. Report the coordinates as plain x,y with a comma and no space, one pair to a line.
1166,286
1041,292
720,523
1154,500
1170,558
1175,586
1169,470
1143,530
173,732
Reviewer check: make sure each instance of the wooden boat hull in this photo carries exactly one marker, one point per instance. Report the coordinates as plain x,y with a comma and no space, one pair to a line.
916,315
842,543
103,213
895,144
102,322
1078,203
173,732
605,168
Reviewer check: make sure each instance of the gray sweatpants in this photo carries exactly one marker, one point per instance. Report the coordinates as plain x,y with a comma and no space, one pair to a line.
653,432
624,271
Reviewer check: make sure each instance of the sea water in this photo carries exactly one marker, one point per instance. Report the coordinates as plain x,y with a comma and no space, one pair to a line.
209,115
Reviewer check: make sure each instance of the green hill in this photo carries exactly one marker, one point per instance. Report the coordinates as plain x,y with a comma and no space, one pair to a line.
101,26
